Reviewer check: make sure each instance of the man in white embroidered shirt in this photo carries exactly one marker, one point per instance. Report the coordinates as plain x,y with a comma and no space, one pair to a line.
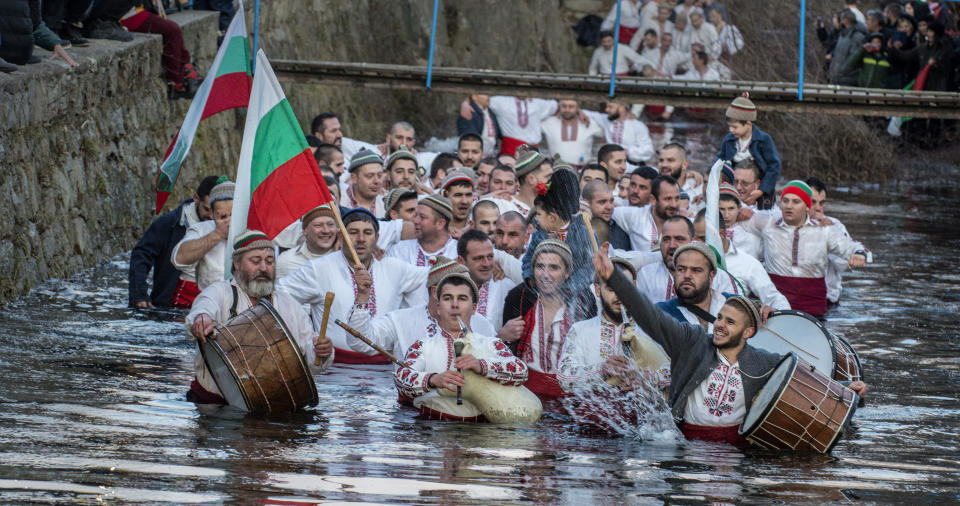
253,267
475,251
569,138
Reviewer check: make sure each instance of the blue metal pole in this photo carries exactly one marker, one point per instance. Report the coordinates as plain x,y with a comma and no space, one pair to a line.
433,42
256,34
616,44
803,29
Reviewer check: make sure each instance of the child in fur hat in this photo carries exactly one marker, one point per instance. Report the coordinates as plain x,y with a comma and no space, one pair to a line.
745,141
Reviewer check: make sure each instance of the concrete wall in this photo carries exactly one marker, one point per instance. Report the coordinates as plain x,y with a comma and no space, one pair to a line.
79,151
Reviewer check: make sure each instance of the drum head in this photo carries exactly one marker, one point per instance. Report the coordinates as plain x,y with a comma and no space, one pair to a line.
223,374
800,333
767,397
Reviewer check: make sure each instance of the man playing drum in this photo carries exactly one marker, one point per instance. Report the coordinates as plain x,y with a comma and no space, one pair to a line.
714,377
431,363
254,278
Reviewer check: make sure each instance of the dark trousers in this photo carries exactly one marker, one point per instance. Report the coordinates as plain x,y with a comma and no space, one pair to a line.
110,10
225,7
175,56
55,12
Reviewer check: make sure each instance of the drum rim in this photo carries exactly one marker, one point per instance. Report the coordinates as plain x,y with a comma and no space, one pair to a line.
856,356
744,431
212,341
832,341
315,397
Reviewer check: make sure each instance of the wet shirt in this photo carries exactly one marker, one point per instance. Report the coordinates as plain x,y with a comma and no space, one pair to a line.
800,252
209,269
719,400
754,277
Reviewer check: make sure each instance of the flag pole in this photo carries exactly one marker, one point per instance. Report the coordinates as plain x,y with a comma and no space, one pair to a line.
343,233
803,28
433,42
616,44
256,32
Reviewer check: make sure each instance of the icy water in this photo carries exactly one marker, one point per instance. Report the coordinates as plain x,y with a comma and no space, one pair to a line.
92,408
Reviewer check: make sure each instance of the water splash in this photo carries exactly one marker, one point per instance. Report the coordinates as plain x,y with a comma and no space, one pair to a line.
640,412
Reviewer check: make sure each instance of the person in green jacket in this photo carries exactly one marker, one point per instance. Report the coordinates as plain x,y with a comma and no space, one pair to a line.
873,62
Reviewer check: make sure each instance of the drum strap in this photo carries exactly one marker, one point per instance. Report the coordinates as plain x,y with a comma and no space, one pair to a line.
703,315
233,306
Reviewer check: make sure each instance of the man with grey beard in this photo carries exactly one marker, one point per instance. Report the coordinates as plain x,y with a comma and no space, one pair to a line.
254,278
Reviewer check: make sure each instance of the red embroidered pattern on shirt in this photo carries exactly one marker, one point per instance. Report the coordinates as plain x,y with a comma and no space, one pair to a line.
482,303
523,113
608,338
796,245
372,301
568,132
616,135
546,342
722,390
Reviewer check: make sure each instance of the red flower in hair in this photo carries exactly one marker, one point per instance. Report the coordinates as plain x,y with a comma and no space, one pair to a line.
432,260
542,189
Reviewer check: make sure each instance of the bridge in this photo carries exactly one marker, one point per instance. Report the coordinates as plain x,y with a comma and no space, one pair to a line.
781,97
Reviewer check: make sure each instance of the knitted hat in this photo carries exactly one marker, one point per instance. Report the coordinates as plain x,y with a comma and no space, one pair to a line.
555,246
393,197
439,204
800,189
402,153
729,189
363,157
728,172
321,210
440,267
742,109
626,265
457,176
748,306
561,193
250,240
360,214
464,275
562,165
528,158
701,248
223,191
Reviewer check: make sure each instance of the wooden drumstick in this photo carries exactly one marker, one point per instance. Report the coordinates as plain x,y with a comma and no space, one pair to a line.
327,306
370,343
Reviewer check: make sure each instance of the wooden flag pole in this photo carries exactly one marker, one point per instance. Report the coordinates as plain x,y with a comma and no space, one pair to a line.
593,237
343,233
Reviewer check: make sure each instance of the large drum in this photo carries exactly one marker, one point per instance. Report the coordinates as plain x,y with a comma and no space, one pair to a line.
257,364
799,409
789,331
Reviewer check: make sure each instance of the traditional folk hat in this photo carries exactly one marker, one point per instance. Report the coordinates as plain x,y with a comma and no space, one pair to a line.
558,247
321,210
748,306
729,189
395,195
800,189
528,158
457,176
439,204
363,157
742,109
464,275
402,153
223,191
250,240
626,265
360,214
441,266
701,248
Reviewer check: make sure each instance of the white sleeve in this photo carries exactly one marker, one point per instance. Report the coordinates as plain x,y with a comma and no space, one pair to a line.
194,232
549,107
480,325
209,302
390,232
413,285
594,68
763,287
610,22
638,259
624,216
642,146
303,284
512,267
380,330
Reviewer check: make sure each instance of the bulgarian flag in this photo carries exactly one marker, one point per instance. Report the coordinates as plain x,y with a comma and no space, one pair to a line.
893,128
278,179
226,86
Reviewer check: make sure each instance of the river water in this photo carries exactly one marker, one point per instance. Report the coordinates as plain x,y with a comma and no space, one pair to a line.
92,407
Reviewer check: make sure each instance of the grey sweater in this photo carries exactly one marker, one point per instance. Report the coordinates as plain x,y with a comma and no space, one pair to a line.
692,353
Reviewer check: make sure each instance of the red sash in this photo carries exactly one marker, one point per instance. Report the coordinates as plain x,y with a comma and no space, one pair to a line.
545,386
342,356
432,414
201,395
509,145
804,294
184,294
656,110
626,33
728,434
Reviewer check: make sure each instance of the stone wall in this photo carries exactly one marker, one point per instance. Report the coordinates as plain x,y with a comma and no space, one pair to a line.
79,151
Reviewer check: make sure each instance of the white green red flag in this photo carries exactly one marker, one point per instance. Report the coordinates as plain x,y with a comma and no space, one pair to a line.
226,86
278,179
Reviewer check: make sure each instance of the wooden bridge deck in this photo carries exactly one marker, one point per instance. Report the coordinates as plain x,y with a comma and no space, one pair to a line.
817,98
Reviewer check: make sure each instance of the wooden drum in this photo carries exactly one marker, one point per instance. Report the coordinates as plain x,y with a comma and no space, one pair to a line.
257,364
848,362
799,409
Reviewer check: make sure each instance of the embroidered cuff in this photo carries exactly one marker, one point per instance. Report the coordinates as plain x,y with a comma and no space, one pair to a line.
426,382
483,367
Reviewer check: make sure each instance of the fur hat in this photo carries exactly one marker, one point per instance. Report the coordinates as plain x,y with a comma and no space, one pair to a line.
742,109
556,246
250,240
701,248
363,157
439,204
321,210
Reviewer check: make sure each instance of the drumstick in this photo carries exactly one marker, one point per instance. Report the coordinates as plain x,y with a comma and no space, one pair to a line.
790,342
593,237
327,306
370,343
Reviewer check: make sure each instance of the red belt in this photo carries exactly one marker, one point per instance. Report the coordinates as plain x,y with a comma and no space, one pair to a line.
545,386
185,293
626,33
656,110
729,434
342,356
201,395
432,414
804,294
509,145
